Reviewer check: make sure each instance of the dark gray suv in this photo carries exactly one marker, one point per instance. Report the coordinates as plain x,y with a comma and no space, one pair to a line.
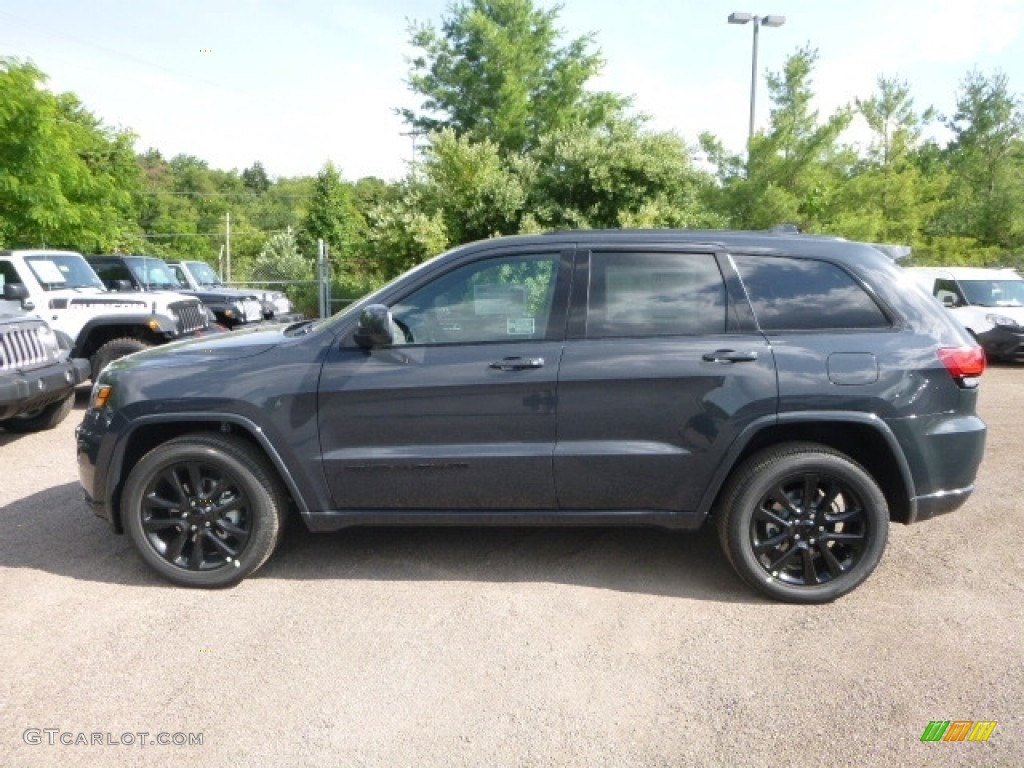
801,392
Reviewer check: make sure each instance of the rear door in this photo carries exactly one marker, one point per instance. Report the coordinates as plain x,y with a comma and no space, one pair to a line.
662,369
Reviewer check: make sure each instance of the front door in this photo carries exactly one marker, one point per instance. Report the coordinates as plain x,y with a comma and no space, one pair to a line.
460,412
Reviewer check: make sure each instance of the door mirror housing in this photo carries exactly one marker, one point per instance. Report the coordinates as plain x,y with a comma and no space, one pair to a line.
18,292
15,292
374,328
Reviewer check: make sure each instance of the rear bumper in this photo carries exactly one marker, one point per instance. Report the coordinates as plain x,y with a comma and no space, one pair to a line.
944,457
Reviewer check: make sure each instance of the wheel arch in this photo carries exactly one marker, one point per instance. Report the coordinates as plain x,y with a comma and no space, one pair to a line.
95,333
148,433
865,438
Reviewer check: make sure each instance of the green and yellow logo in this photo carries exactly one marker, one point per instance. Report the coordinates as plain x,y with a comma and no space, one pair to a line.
958,730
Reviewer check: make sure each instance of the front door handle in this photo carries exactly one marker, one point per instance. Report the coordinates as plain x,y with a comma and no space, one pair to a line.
517,363
729,356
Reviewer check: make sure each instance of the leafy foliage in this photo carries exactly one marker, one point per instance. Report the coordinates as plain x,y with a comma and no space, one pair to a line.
66,180
495,71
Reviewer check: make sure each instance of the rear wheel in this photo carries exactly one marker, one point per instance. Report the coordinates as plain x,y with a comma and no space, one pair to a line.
204,510
802,523
47,417
114,349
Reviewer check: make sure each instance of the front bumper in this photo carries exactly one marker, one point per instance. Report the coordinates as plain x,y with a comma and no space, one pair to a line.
1003,344
24,391
288,317
93,452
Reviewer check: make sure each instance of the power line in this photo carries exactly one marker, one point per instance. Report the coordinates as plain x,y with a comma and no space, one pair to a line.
212,234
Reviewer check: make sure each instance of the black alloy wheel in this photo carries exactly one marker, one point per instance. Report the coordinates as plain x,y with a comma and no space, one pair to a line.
803,523
204,510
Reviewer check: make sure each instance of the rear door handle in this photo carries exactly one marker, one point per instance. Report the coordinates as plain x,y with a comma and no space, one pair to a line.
517,363
729,356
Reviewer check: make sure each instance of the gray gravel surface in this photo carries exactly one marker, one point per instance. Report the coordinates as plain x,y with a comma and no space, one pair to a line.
593,647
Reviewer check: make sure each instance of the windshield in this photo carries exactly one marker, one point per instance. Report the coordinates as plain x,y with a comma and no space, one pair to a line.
994,293
153,273
203,273
63,270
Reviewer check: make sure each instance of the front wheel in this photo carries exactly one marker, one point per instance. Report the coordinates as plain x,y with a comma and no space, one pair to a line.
802,523
112,350
204,510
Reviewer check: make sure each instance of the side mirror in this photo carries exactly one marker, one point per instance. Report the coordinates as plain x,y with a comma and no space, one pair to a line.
374,328
948,301
15,292
121,285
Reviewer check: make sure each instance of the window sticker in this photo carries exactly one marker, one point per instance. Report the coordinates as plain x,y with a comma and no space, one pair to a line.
48,272
521,326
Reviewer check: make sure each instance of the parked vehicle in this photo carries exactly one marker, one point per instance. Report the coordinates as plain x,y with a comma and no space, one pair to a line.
230,308
989,303
200,276
97,324
37,374
798,391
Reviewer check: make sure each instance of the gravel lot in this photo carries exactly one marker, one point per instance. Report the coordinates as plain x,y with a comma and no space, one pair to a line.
530,647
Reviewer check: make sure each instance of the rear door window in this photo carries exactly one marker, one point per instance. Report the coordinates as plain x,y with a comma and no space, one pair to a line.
655,294
791,294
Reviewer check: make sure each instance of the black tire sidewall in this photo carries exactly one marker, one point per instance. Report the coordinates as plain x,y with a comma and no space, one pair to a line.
758,477
114,350
262,507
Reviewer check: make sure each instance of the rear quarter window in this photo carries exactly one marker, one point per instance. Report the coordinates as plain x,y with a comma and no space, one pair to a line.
790,294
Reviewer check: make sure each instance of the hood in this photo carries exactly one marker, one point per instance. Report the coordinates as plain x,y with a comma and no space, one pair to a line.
217,347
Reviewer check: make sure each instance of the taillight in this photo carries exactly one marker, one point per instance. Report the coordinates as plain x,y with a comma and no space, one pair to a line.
965,364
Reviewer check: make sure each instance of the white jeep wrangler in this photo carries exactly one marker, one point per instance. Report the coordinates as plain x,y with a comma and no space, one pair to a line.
98,324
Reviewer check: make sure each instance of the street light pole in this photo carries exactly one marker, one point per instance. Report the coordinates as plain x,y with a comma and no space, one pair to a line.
768,21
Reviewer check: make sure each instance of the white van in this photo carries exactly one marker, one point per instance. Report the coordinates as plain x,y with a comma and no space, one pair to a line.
988,302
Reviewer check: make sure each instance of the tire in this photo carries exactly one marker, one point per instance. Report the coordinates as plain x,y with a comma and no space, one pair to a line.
204,510
114,349
47,417
781,538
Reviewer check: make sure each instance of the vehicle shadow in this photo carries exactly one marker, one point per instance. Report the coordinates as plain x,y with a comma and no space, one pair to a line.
55,531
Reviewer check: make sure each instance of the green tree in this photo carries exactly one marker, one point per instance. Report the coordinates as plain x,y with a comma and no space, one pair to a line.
66,180
795,168
255,178
333,217
280,259
986,157
888,197
496,70
615,176
895,124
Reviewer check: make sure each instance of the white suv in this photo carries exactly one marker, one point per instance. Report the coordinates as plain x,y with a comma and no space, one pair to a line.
97,324
989,303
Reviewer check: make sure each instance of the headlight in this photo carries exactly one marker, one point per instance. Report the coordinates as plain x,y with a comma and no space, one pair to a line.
1002,321
49,339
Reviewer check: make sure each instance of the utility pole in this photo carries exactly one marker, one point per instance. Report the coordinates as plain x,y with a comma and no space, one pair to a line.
227,245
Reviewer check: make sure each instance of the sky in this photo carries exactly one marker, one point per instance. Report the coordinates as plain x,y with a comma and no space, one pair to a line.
297,83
